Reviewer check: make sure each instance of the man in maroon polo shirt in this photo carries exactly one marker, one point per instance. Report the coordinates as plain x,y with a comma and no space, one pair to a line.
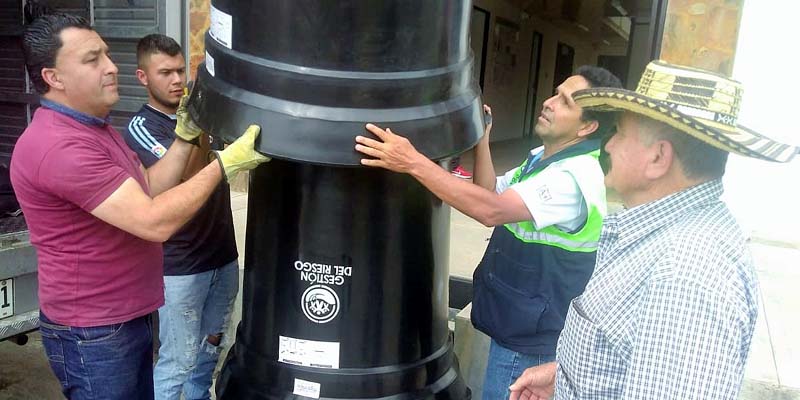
96,216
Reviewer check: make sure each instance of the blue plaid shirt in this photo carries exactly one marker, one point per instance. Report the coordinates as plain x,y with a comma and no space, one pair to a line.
670,309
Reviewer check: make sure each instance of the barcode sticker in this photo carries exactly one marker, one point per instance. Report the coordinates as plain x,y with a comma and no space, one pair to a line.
221,27
306,388
210,64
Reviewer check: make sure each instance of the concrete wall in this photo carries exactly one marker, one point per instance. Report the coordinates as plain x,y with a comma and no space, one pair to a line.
508,96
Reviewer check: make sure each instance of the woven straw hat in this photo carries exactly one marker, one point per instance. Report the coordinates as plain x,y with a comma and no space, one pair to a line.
700,103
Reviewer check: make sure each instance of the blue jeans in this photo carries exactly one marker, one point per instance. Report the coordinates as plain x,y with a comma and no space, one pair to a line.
504,366
195,306
101,362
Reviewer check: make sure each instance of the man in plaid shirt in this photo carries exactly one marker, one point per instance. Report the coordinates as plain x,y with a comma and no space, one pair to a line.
670,310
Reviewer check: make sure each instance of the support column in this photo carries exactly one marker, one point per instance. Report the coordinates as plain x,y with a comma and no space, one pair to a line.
702,34
198,25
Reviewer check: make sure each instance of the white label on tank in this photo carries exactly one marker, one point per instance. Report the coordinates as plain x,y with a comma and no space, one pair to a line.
308,353
221,27
306,388
210,64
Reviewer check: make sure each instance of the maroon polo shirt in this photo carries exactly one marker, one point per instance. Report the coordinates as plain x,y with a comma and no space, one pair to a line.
90,272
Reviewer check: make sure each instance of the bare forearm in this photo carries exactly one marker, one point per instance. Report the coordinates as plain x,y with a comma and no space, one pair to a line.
483,173
157,218
173,208
198,158
396,153
473,200
169,170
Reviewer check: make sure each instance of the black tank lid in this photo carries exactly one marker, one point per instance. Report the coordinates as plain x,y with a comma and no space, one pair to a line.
313,73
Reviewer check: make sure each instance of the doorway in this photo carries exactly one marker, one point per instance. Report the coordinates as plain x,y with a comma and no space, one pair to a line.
533,85
479,39
565,59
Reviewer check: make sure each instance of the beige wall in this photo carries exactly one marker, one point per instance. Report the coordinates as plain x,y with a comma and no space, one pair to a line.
508,98
198,25
702,35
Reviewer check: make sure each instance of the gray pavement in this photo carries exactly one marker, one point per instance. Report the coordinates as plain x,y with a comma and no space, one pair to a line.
773,370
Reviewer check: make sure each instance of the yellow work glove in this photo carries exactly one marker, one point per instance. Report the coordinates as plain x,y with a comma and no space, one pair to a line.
187,130
241,154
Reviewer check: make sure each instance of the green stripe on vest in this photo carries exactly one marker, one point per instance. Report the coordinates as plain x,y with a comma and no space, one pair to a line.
585,239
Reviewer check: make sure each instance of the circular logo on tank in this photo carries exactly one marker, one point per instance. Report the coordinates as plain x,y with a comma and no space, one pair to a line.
320,304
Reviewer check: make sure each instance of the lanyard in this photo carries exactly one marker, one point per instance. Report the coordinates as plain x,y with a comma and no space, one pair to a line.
535,162
531,163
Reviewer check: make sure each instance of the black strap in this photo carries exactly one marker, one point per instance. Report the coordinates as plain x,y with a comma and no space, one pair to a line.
533,164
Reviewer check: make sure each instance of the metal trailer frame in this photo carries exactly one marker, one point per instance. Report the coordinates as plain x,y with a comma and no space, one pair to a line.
19,264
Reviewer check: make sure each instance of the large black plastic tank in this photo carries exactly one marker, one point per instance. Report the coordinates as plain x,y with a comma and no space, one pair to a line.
346,267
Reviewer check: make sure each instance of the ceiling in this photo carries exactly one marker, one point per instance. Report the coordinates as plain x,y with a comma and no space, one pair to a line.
601,22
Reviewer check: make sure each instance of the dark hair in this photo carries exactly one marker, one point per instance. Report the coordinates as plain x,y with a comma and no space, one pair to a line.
156,43
599,77
41,42
698,159
35,9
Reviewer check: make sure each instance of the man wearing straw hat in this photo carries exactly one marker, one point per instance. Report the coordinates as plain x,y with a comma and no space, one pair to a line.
670,309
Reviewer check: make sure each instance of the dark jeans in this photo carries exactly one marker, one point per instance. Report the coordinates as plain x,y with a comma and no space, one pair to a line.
101,362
